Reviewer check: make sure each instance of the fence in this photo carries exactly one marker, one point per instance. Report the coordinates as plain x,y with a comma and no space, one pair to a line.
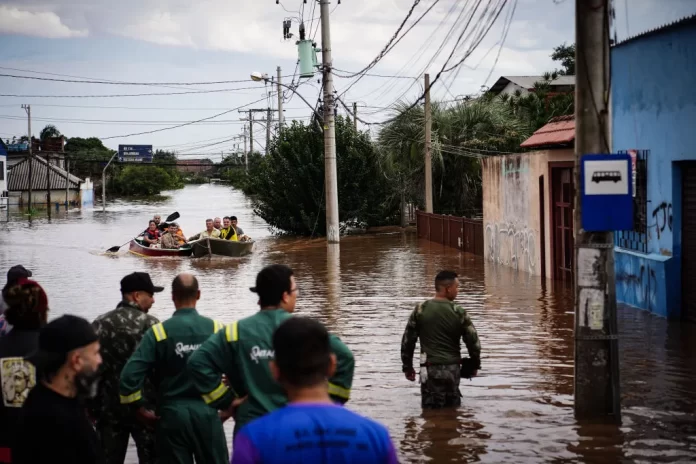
453,231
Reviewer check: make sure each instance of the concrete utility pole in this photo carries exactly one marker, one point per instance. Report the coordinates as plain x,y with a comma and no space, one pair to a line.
104,182
597,394
67,183
355,116
428,149
48,185
27,108
246,159
251,132
280,102
330,178
269,117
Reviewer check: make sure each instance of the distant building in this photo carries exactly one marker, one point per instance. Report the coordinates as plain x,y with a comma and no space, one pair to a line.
525,84
653,111
18,183
197,166
3,175
51,148
528,203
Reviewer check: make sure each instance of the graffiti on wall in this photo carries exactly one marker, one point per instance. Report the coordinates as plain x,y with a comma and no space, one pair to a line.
636,284
662,216
510,245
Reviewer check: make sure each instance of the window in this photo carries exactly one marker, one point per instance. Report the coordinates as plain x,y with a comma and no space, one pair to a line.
637,239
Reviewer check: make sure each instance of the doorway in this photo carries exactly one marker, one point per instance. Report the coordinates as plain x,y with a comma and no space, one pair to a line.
562,210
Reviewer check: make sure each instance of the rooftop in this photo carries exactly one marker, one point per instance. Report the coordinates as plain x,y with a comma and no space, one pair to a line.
18,178
689,20
559,131
528,82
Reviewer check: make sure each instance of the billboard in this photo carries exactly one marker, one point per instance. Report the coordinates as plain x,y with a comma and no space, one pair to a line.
135,153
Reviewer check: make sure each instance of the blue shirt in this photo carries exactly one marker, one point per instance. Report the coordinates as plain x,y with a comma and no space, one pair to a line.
313,433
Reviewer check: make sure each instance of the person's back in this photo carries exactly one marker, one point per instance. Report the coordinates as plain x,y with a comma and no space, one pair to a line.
186,426
440,331
311,428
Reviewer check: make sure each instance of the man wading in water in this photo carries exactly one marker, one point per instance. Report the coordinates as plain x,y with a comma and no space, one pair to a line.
440,324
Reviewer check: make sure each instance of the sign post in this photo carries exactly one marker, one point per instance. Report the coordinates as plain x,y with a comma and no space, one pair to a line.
135,153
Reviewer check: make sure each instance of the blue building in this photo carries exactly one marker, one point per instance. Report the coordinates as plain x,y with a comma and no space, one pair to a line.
654,118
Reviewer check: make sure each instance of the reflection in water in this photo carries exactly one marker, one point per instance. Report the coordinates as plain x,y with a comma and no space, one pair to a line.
519,409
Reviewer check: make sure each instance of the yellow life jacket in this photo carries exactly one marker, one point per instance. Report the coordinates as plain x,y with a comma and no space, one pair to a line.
229,234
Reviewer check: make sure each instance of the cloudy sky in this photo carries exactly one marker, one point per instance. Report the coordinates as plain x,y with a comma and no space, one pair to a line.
183,41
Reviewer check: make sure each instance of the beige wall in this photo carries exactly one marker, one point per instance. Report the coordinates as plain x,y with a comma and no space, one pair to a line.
511,209
39,197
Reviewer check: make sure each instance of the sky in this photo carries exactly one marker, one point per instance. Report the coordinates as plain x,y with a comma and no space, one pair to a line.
183,42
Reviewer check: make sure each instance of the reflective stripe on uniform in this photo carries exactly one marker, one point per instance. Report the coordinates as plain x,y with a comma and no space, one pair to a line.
132,398
218,326
160,334
341,392
215,394
231,332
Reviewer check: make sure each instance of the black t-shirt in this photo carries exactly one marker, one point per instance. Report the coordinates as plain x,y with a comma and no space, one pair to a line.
53,428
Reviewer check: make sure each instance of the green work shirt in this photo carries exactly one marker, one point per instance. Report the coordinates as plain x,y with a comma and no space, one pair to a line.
164,351
440,325
242,352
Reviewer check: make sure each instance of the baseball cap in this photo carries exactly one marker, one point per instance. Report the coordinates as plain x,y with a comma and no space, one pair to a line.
139,282
61,336
17,272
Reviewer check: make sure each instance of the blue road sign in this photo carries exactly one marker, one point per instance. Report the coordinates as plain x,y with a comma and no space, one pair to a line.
135,153
606,192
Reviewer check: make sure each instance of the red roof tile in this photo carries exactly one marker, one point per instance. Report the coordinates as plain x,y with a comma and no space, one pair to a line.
559,131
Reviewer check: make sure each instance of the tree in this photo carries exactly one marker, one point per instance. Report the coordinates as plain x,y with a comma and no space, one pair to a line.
49,131
566,55
87,156
289,183
541,104
144,180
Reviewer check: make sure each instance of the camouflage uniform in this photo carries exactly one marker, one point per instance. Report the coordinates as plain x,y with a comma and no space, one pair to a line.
440,325
120,332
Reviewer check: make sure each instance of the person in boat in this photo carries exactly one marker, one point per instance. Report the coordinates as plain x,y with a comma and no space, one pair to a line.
178,233
169,239
152,235
209,232
217,223
228,232
240,232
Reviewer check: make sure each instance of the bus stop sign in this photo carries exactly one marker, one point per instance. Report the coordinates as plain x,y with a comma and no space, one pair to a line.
606,192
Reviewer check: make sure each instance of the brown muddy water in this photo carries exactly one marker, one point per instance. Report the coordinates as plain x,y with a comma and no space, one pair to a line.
520,408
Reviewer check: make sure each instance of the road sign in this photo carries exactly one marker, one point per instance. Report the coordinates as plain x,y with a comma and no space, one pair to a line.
606,192
135,153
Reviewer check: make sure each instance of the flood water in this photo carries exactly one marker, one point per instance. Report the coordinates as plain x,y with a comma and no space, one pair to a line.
519,409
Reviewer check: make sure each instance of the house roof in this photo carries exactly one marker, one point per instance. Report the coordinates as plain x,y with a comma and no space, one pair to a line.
18,178
680,22
528,82
559,131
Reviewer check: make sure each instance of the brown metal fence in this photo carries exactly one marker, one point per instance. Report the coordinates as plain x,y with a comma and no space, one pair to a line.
454,231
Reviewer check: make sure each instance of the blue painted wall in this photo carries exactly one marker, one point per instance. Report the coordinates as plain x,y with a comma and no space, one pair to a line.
654,108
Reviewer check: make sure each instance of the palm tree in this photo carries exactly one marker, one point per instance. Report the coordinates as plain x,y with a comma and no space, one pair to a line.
48,132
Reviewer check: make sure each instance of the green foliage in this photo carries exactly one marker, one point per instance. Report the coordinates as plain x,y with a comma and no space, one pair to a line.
49,131
288,184
144,180
232,169
87,156
566,55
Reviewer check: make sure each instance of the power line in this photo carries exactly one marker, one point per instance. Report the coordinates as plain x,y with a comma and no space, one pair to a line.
131,95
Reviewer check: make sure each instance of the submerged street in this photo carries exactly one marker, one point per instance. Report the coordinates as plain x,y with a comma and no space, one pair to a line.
519,409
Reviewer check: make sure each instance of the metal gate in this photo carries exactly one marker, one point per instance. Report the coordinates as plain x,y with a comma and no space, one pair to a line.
689,242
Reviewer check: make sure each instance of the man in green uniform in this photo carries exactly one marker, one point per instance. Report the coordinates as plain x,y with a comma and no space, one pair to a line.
186,426
243,350
119,333
440,324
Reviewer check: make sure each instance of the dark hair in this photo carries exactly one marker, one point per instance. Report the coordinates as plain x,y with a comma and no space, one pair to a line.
233,218
206,221
302,351
151,222
27,305
444,278
184,287
271,283
226,217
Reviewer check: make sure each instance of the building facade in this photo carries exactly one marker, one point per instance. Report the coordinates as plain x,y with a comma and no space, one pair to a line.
653,116
63,186
3,176
528,204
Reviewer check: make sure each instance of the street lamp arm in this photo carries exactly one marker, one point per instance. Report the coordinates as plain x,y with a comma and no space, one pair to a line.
290,88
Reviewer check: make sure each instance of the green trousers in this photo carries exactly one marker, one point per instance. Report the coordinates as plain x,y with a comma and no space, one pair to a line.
190,429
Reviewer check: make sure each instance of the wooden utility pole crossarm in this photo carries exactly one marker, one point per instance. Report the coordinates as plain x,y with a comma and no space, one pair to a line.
597,394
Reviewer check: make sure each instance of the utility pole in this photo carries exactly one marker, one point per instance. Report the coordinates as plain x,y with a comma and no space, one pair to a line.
597,394
246,159
355,116
330,178
67,183
251,132
48,185
269,116
280,102
428,149
27,108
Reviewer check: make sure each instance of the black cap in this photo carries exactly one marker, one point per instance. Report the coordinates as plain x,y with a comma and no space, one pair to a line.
17,272
139,282
66,333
